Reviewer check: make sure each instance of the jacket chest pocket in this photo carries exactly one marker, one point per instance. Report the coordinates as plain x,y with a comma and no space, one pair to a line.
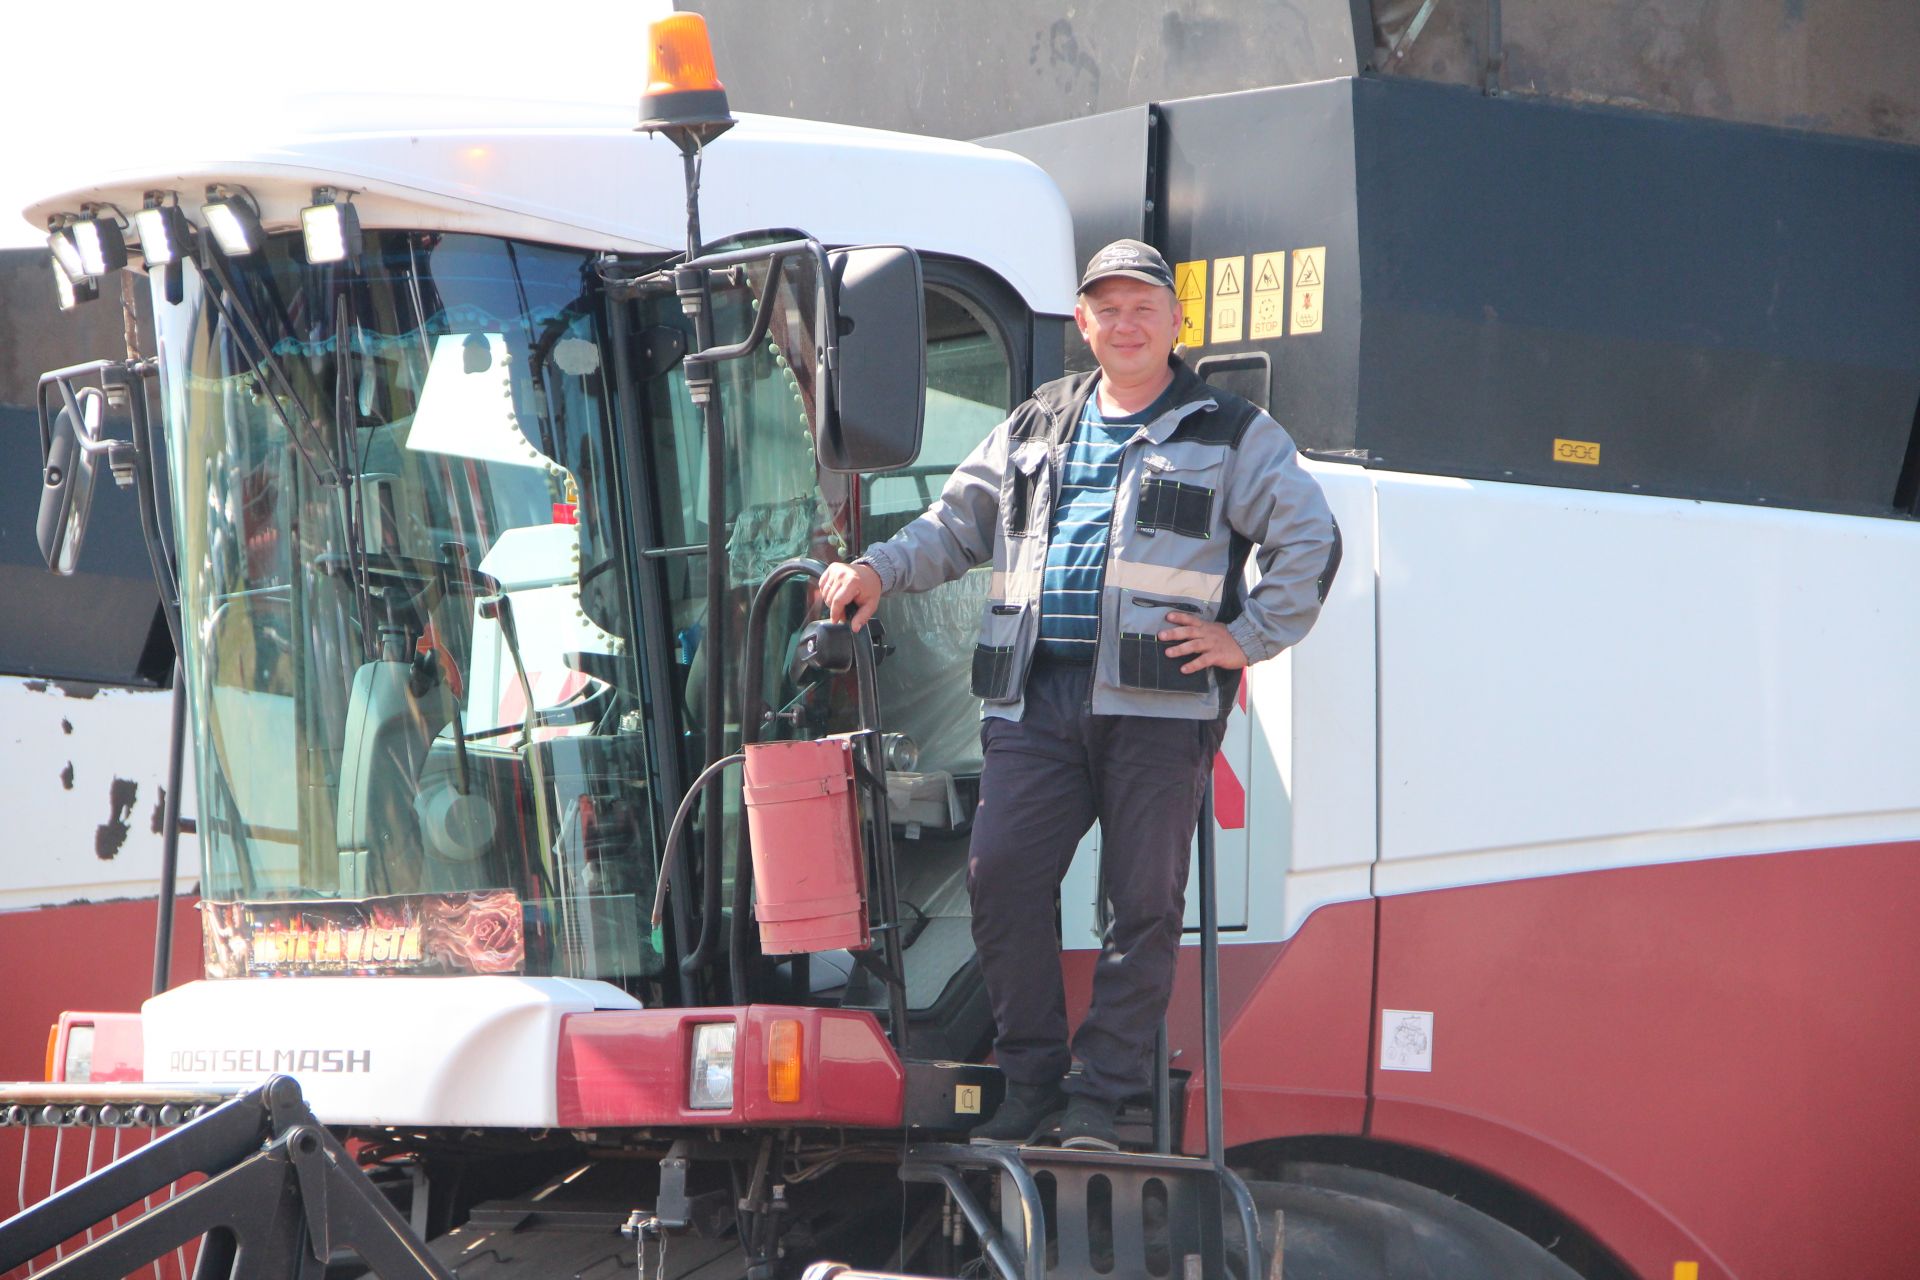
1026,504
1176,499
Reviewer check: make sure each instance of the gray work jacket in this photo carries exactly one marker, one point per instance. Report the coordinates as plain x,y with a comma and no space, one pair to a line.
1200,486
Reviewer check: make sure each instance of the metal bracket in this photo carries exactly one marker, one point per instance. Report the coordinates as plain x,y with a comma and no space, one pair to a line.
658,350
671,1209
281,1192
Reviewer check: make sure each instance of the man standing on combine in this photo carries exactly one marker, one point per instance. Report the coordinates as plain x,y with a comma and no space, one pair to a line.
1118,509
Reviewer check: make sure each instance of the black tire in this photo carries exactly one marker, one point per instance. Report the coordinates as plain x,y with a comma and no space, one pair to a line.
1343,1223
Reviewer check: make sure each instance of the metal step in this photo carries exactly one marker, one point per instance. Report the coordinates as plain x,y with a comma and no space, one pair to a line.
1093,1215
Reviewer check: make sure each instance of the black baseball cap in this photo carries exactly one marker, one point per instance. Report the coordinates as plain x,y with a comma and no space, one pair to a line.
1129,259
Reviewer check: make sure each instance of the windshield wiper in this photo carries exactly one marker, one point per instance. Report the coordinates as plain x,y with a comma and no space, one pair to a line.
246,330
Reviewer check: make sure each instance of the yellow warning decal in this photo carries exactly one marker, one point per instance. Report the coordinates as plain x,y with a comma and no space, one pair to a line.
1686,1271
1309,284
1584,452
1266,312
1229,298
1190,286
966,1099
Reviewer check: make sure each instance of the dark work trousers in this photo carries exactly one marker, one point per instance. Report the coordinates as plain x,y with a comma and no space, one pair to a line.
1045,779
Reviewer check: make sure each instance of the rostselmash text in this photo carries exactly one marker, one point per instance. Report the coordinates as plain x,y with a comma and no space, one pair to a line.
264,1062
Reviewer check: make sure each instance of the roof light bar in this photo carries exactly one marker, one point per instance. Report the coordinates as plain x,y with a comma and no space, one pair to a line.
102,246
331,228
164,232
233,221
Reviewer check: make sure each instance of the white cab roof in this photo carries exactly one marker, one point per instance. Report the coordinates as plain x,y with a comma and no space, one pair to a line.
578,174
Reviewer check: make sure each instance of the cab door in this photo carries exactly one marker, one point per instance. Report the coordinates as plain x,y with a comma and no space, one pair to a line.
985,351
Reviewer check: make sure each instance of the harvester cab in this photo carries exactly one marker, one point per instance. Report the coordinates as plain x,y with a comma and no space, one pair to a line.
486,529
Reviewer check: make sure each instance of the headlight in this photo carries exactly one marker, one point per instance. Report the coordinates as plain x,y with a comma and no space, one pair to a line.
710,1086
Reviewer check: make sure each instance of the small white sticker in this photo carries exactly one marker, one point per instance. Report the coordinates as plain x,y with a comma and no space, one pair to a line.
1406,1040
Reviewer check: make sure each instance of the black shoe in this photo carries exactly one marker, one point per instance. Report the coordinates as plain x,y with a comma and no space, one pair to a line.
1028,1111
1088,1125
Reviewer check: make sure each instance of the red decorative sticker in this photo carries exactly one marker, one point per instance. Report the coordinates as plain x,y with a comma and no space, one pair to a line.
417,933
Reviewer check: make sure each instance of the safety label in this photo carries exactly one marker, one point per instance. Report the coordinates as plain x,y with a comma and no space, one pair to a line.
1229,298
1584,452
1406,1040
966,1099
1190,286
1309,284
1267,308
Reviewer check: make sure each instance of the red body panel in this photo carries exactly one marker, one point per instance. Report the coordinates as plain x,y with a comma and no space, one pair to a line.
116,1046
629,1068
1294,1022
1723,1051
1709,1062
86,956
90,955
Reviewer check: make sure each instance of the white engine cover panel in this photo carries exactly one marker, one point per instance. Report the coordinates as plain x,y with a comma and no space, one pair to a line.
471,1051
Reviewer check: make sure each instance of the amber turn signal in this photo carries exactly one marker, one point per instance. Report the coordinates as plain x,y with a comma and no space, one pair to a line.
784,1043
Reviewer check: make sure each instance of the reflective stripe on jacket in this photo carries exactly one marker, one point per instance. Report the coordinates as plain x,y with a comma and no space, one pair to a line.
1202,486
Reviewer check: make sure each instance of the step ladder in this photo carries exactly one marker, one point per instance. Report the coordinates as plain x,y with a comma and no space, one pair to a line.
1095,1215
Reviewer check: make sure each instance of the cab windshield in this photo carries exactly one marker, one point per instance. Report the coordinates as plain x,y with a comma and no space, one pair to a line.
421,743
412,569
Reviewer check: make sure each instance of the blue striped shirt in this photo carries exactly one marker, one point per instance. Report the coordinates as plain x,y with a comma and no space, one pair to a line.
1082,517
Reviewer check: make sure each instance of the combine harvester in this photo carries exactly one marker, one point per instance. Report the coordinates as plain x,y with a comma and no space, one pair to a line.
1552,909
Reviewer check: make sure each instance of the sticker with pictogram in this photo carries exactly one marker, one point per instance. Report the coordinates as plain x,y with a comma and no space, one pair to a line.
1584,452
1309,286
966,1099
1229,298
1267,305
1190,286
1406,1040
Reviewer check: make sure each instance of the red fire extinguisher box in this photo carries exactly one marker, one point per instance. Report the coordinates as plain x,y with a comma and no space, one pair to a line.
809,860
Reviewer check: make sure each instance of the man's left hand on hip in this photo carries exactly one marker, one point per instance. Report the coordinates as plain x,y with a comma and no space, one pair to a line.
1209,644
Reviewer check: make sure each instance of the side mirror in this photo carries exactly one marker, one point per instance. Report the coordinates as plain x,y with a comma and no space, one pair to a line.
66,495
879,392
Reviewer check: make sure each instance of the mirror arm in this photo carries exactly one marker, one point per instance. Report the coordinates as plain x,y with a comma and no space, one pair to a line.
62,379
775,255
762,319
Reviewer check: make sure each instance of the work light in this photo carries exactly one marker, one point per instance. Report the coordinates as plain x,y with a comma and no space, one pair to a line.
235,226
331,228
70,292
101,245
66,254
164,232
